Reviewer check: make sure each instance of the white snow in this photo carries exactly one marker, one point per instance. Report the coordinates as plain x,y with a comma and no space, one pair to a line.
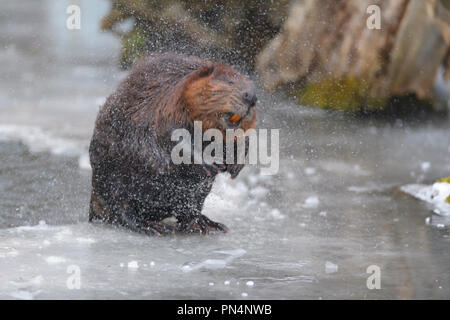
434,194
232,254
84,162
226,195
209,264
40,226
55,260
24,295
8,252
133,265
39,140
213,264
85,240
311,202
425,166
259,192
250,283
330,267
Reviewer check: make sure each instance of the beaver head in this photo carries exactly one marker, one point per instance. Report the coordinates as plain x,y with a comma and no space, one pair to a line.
221,98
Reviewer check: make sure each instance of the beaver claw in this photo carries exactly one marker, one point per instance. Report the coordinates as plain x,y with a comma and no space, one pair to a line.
202,225
155,229
234,169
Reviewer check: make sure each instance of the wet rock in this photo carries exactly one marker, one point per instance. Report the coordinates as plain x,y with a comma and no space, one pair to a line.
327,56
231,30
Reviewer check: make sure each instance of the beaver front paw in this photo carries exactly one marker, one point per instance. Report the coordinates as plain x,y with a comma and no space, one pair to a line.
234,169
201,224
213,169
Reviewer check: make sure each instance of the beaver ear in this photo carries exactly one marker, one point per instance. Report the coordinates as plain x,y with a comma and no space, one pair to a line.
202,72
206,71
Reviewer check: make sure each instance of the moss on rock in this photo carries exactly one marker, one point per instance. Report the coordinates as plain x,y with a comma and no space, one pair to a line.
352,94
133,47
346,94
446,180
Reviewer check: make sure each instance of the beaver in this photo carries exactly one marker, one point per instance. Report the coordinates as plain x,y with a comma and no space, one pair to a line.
135,184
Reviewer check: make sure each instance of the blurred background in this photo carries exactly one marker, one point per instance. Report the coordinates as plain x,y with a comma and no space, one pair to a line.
361,98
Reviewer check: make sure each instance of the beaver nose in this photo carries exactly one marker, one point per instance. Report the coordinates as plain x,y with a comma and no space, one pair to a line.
249,98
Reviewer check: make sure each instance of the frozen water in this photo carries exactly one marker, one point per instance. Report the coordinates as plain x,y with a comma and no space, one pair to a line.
133,265
347,172
55,260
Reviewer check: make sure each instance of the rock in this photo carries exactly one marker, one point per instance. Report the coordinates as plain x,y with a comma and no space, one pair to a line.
325,55
231,30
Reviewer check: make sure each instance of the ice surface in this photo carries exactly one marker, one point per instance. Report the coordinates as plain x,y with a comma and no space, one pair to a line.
55,260
310,171
349,169
425,166
38,140
133,265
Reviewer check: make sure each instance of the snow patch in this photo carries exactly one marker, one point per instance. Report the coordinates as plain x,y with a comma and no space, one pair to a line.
434,194
38,140
310,171
311,202
8,252
55,260
133,265
276,214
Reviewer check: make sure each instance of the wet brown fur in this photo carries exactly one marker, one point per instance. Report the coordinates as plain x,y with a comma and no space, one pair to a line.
134,182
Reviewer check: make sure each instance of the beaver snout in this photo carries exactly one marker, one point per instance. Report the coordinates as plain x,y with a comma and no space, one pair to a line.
249,98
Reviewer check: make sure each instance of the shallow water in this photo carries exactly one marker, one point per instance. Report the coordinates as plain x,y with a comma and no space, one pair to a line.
311,231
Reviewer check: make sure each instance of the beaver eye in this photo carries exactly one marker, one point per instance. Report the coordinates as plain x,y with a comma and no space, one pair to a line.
230,83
